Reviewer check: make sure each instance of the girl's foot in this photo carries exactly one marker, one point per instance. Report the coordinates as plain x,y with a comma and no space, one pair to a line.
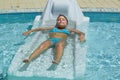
26,60
55,62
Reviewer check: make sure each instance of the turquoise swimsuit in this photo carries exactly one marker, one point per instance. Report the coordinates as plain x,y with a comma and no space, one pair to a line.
56,30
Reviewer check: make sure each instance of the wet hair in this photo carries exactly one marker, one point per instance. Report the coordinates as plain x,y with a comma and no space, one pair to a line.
63,16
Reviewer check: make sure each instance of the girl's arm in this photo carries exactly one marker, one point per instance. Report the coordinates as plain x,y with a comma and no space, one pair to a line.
82,35
76,31
41,29
37,29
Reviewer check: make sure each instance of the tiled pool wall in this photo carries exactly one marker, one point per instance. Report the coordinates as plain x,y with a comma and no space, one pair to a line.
30,16
103,16
21,17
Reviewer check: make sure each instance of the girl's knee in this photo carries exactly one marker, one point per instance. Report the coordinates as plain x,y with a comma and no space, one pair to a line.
45,44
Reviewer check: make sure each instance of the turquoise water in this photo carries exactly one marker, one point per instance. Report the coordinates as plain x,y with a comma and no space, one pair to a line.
103,57
103,40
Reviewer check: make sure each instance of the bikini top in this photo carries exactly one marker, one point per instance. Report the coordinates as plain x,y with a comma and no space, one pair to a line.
65,31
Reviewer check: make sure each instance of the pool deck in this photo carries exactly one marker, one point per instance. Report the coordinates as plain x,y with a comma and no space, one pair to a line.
10,6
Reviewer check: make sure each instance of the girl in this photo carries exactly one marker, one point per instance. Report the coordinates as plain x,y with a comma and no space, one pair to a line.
57,39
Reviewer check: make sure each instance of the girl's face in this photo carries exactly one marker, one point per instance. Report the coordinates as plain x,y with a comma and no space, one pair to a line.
62,22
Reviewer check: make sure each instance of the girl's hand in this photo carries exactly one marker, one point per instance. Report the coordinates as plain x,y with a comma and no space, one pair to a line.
82,38
26,33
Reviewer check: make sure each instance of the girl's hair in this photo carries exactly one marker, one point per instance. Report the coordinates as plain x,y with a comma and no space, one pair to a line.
63,16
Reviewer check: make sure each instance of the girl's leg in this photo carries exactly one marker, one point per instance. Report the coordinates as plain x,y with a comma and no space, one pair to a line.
44,46
59,51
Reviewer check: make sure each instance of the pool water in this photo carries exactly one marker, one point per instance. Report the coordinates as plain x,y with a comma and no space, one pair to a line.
103,57
103,40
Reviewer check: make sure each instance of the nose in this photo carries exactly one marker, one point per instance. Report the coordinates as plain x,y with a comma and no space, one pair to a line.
61,19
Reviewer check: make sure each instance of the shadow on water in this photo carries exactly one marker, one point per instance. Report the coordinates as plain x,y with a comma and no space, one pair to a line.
23,42
53,67
3,76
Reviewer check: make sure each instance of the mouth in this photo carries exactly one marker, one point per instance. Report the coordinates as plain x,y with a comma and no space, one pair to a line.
61,24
